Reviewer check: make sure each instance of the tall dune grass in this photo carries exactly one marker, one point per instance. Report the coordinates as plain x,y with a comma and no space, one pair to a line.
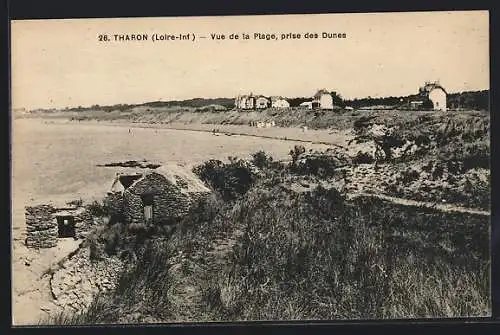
311,255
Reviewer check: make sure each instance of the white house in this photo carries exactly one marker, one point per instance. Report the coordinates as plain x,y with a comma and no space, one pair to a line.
279,102
261,102
436,94
245,102
323,100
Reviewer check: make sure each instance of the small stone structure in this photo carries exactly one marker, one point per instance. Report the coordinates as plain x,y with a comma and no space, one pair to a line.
154,191
155,197
46,223
41,228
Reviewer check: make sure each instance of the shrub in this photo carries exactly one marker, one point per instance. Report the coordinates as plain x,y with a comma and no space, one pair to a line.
261,160
143,290
296,152
438,171
322,166
231,180
386,142
409,176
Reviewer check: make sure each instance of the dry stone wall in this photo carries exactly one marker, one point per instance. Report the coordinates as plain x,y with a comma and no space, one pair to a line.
76,284
83,223
41,226
114,203
168,201
133,209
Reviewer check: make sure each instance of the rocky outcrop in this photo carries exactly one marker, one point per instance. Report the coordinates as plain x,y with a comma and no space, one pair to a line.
76,284
41,227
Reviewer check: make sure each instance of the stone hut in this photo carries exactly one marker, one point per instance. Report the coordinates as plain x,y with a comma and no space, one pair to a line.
46,223
157,196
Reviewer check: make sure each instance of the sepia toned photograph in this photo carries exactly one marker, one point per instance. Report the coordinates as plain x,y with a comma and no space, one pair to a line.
250,168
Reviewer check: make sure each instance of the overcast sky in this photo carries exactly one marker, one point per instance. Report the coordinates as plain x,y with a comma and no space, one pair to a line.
59,63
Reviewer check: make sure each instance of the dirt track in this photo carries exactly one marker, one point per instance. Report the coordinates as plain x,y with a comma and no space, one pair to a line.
430,205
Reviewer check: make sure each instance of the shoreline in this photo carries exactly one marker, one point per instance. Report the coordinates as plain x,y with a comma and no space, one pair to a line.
330,137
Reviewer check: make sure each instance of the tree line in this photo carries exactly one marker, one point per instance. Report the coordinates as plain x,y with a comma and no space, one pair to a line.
471,100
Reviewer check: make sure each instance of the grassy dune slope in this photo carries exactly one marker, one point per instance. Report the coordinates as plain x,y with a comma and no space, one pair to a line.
257,250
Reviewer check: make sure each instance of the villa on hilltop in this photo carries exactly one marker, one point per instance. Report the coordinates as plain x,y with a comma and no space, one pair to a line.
279,102
430,96
322,100
245,101
251,101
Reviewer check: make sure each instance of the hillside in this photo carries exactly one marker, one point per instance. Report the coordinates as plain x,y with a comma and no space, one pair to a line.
471,100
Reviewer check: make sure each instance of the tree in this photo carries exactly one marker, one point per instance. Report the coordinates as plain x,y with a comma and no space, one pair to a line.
337,99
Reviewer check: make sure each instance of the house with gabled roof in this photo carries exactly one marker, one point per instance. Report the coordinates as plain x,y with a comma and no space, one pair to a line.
434,93
322,100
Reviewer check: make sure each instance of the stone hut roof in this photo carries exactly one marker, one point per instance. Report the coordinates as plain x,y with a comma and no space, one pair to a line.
123,179
184,178
177,175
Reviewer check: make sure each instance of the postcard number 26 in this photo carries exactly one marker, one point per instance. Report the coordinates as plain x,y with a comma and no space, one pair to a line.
103,38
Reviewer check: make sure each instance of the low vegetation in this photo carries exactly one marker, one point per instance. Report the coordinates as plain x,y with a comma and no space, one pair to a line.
449,156
316,256
298,255
230,180
314,253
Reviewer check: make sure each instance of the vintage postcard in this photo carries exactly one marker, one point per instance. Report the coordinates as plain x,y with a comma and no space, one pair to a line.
242,168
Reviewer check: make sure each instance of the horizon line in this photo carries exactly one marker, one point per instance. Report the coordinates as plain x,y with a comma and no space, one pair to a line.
220,97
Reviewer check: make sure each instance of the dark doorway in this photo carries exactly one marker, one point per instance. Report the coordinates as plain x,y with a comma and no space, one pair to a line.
66,226
147,202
